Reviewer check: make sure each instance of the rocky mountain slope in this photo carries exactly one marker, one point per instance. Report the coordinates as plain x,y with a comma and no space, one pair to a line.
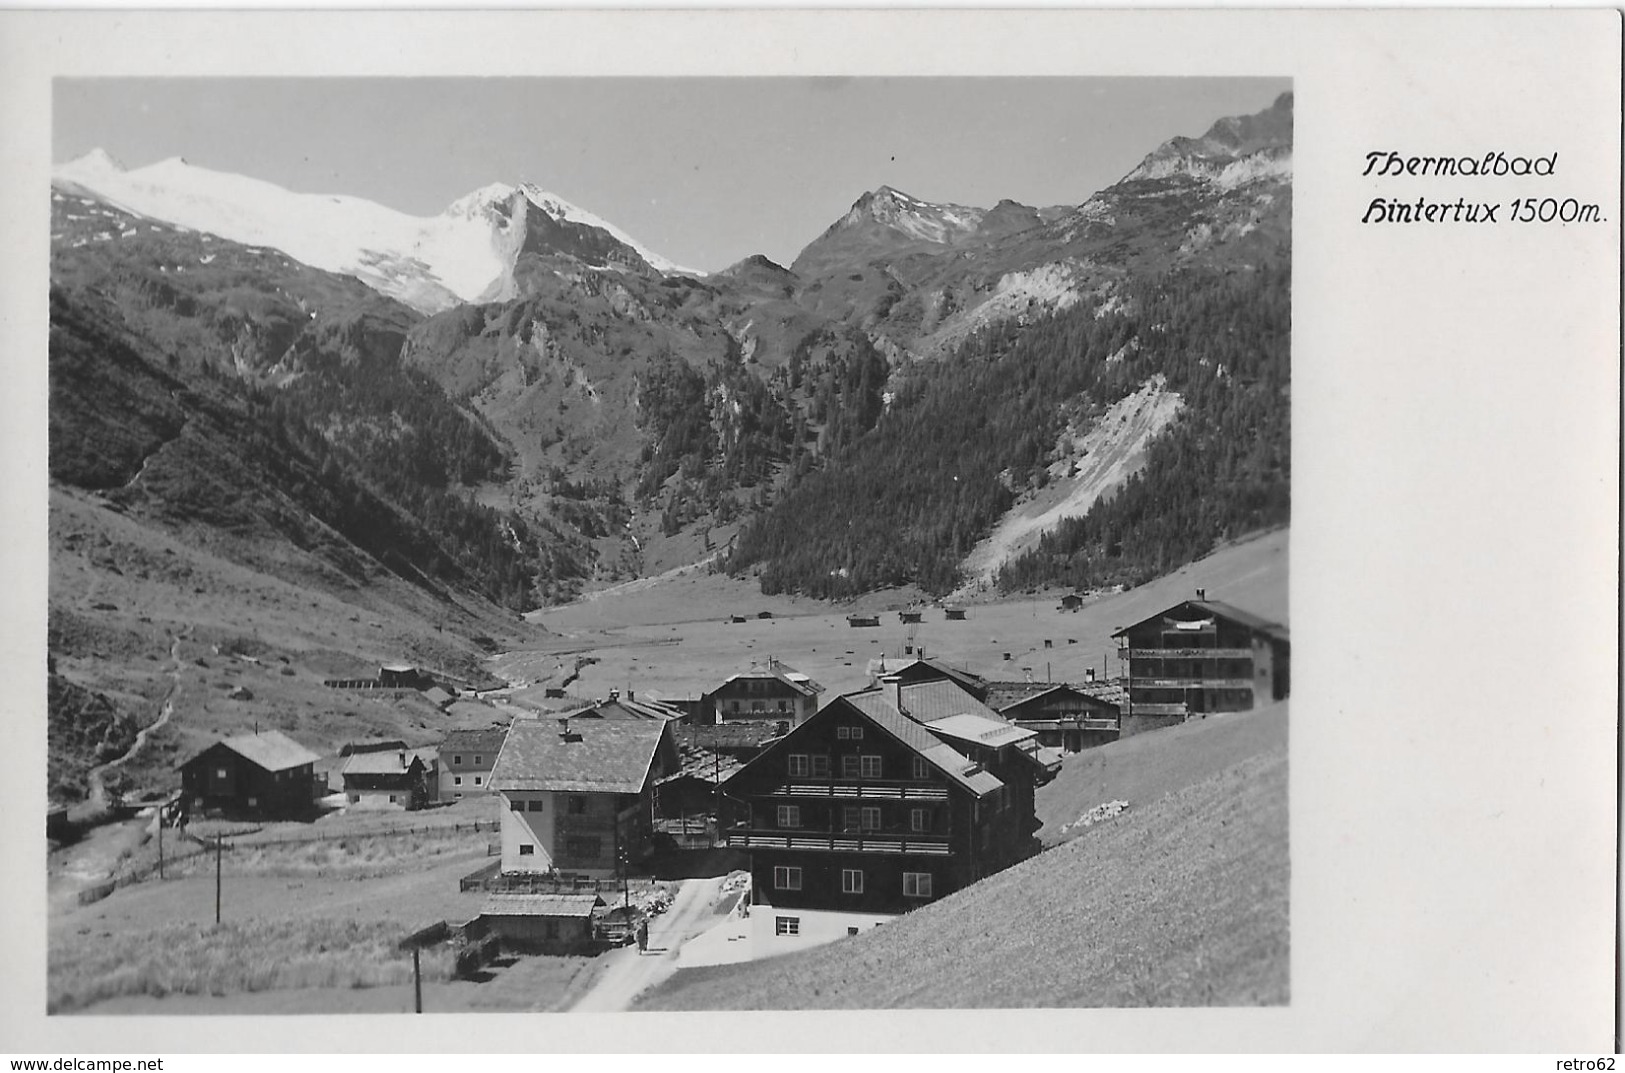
645,413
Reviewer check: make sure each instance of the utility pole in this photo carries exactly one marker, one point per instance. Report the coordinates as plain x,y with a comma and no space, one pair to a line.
417,982
160,841
219,845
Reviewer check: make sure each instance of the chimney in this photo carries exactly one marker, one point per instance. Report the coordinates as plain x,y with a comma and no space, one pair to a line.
566,733
893,685
614,694
1201,594
1089,674
630,695
403,759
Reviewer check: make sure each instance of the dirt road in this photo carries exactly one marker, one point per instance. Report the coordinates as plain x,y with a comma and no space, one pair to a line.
631,972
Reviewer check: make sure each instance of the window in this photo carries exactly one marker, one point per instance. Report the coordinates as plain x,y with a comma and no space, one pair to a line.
786,925
457,758
798,765
871,818
584,846
919,819
477,760
784,705
851,931
850,818
789,815
921,769
527,850
517,805
219,772
578,806
871,766
786,877
534,806
853,733
916,884
820,766
851,881
478,780
456,780
391,799
849,767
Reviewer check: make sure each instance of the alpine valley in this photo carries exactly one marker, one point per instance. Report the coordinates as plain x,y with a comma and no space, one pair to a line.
279,416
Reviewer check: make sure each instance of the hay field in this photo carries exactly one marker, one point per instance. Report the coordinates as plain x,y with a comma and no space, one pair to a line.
675,638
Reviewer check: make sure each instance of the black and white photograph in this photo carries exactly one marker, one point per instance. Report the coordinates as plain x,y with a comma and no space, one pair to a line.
783,531
459,603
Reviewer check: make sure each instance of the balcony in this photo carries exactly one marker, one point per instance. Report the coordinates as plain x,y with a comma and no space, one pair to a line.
1189,653
866,790
1190,683
1158,709
745,838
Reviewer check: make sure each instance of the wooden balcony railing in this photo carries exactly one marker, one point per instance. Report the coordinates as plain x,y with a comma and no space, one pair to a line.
1190,683
1189,653
892,792
745,838
1158,709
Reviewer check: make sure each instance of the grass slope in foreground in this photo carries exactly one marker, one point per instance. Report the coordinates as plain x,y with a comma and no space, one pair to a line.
1182,902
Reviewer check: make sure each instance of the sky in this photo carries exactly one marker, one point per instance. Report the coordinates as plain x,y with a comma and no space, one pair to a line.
704,171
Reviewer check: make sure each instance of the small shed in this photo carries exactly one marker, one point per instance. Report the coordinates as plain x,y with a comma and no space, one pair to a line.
954,614
547,923
403,676
1071,602
909,616
858,621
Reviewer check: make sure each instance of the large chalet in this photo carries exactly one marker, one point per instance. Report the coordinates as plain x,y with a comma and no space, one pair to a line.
886,799
578,791
1202,656
265,773
763,691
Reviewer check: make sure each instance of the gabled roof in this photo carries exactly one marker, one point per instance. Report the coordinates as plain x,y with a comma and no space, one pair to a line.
874,704
921,670
487,742
378,764
745,734
1003,696
1220,609
978,730
269,749
925,702
540,905
783,672
602,755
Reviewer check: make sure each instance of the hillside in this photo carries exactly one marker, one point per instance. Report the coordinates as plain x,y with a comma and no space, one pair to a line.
240,465
1182,900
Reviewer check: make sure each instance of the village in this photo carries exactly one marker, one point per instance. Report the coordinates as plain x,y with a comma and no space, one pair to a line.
579,848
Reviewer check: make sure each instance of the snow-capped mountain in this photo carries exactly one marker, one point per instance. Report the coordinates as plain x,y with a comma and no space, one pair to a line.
465,254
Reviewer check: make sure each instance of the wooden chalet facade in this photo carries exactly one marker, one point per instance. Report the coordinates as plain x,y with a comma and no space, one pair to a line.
579,792
266,774
1064,716
1198,657
864,810
772,691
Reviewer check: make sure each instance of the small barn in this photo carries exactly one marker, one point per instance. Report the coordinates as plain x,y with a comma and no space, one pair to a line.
1071,602
954,614
860,621
910,617
386,780
404,676
544,923
262,774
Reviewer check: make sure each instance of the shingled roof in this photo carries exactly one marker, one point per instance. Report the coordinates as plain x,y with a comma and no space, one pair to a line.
927,702
783,672
540,905
875,704
1223,610
487,742
269,749
596,756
